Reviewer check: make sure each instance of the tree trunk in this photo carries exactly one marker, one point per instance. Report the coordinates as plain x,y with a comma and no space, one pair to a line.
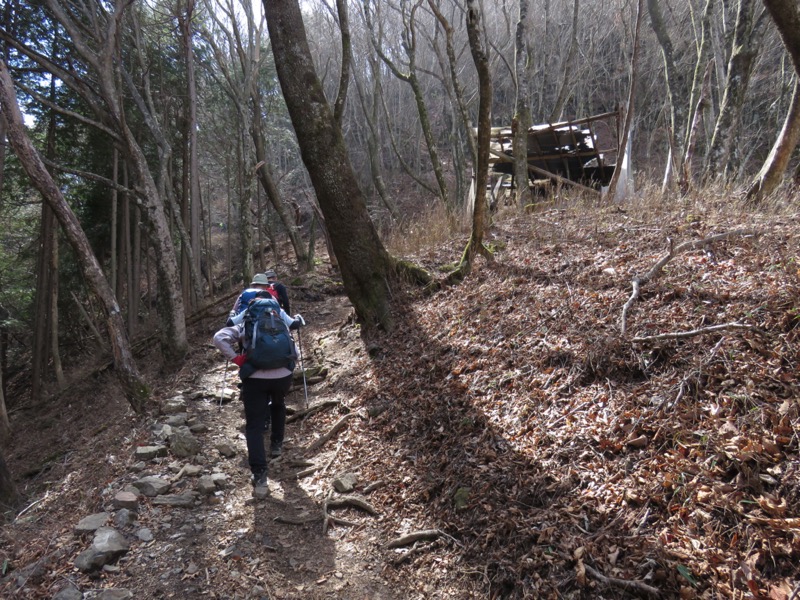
114,225
364,262
55,349
195,201
8,491
2,153
41,322
626,129
563,92
740,67
698,79
267,182
459,104
479,214
786,14
771,174
522,112
686,179
100,59
677,110
347,57
369,107
133,386
5,424
409,45
244,190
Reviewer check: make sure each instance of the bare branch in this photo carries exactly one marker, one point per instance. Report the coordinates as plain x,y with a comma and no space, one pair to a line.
68,113
92,177
677,335
672,251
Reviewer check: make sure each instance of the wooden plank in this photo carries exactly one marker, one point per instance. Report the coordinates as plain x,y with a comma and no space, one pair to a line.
507,158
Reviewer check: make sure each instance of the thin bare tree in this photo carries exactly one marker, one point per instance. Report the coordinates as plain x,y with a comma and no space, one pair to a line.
626,128
411,77
521,122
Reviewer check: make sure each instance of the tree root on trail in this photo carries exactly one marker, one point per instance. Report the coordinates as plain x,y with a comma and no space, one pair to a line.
630,585
338,426
415,550
312,374
411,272
314,468
374,486
309,471
344,501
311,410
353,501
297,520
415,536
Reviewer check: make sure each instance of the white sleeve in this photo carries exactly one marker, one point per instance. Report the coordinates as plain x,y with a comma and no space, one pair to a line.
225,339
286,318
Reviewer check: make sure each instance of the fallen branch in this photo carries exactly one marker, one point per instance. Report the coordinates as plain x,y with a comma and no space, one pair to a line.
309,471
672,251
410,538
695,332
626,584
337,427
633,585
312,409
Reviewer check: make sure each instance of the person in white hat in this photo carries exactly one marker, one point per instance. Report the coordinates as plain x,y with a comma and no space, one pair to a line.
258,286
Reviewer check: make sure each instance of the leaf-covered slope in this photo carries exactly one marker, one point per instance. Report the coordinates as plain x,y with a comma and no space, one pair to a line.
558,452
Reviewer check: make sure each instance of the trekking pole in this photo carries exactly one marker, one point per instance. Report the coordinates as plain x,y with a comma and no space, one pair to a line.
302,366
222,384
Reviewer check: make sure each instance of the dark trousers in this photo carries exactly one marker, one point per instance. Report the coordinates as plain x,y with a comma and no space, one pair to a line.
262,397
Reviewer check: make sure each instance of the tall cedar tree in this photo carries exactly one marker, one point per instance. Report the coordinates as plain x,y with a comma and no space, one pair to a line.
132,383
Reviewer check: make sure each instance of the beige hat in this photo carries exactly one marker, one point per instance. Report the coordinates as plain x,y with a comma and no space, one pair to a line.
260,279
271,274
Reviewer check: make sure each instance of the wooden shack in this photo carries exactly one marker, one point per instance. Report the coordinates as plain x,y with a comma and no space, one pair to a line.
581,153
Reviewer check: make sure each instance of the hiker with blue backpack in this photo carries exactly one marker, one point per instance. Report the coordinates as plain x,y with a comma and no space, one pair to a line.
263,330
258,286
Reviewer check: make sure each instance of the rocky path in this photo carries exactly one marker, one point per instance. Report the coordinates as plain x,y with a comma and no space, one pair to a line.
181,521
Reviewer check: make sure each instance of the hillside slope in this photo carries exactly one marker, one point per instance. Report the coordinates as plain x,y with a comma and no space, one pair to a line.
545,454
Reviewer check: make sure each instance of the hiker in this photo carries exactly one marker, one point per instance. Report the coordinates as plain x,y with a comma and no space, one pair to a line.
259,284
263,389
283,295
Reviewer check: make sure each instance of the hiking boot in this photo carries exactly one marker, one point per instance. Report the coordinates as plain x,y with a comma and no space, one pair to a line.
260,489
276,449
260,479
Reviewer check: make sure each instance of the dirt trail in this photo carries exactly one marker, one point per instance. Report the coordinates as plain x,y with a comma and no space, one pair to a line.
227,545
289,560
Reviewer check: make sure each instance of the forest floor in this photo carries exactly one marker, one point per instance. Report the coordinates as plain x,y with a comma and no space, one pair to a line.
537,450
